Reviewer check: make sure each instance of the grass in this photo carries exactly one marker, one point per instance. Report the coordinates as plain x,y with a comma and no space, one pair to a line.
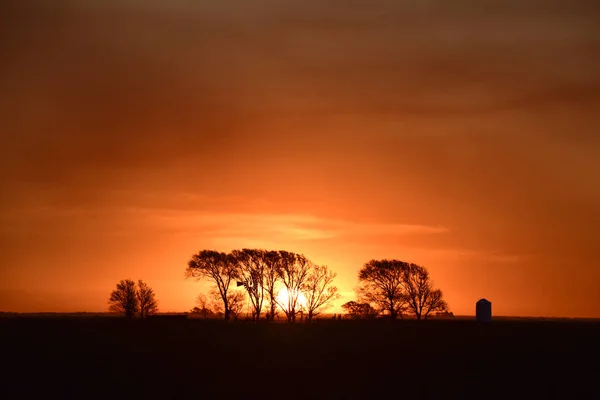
99,357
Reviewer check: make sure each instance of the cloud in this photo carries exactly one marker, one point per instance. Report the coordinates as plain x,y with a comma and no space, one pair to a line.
280,227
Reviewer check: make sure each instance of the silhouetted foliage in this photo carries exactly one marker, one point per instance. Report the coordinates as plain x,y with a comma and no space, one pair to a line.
146,299
236,300
272,261
421,297
262,273
293,272
124,299
444,314
250,272
397,286
219,268
381,285
203,307
237,304
357,310
319,291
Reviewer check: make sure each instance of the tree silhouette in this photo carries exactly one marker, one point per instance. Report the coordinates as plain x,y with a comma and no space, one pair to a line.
250,272
421,297
218,267
319,291
146,299
262,273
236,300
203,307
293,272
124,298
381,284
359,310
272,261
236,304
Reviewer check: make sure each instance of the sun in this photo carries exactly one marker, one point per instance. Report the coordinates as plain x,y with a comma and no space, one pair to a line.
283,298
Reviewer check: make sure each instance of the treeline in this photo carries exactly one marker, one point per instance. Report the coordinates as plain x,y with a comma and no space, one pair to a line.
272,281
387,288
395,288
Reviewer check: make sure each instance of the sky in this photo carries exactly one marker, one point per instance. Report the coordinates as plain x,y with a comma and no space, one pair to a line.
462,136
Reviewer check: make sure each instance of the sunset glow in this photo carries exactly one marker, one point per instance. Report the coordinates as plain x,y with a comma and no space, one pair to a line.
457,136
300,199
284,298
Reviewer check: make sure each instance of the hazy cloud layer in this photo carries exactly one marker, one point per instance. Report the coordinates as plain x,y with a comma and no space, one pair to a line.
427,129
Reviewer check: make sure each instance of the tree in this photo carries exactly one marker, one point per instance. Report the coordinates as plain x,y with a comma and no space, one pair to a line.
218,267
421,297
360,310
124,299
272,261
236,304
250,272
381,284
319,291
203,307
293,272
146,299
236,300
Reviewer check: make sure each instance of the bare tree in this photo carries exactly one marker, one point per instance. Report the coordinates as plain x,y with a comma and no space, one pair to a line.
319,291
217,267
250,273
272,261
124,298
202,301
146,299
203,308
421,297
381,284
236,300
236,304
293,272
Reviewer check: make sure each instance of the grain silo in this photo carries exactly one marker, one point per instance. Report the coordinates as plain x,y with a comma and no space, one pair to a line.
483,311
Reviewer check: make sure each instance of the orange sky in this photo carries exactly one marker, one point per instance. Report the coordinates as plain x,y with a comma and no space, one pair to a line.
463,137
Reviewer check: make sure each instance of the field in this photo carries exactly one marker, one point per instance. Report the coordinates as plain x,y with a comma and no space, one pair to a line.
99,357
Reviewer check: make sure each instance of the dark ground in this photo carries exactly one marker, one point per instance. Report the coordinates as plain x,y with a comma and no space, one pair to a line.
87,357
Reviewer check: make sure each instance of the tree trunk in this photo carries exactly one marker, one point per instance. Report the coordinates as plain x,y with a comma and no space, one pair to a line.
393,313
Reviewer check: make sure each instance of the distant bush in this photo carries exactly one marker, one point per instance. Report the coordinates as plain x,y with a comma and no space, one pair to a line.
357,310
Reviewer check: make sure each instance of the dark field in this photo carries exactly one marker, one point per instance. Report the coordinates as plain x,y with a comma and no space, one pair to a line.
101,357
